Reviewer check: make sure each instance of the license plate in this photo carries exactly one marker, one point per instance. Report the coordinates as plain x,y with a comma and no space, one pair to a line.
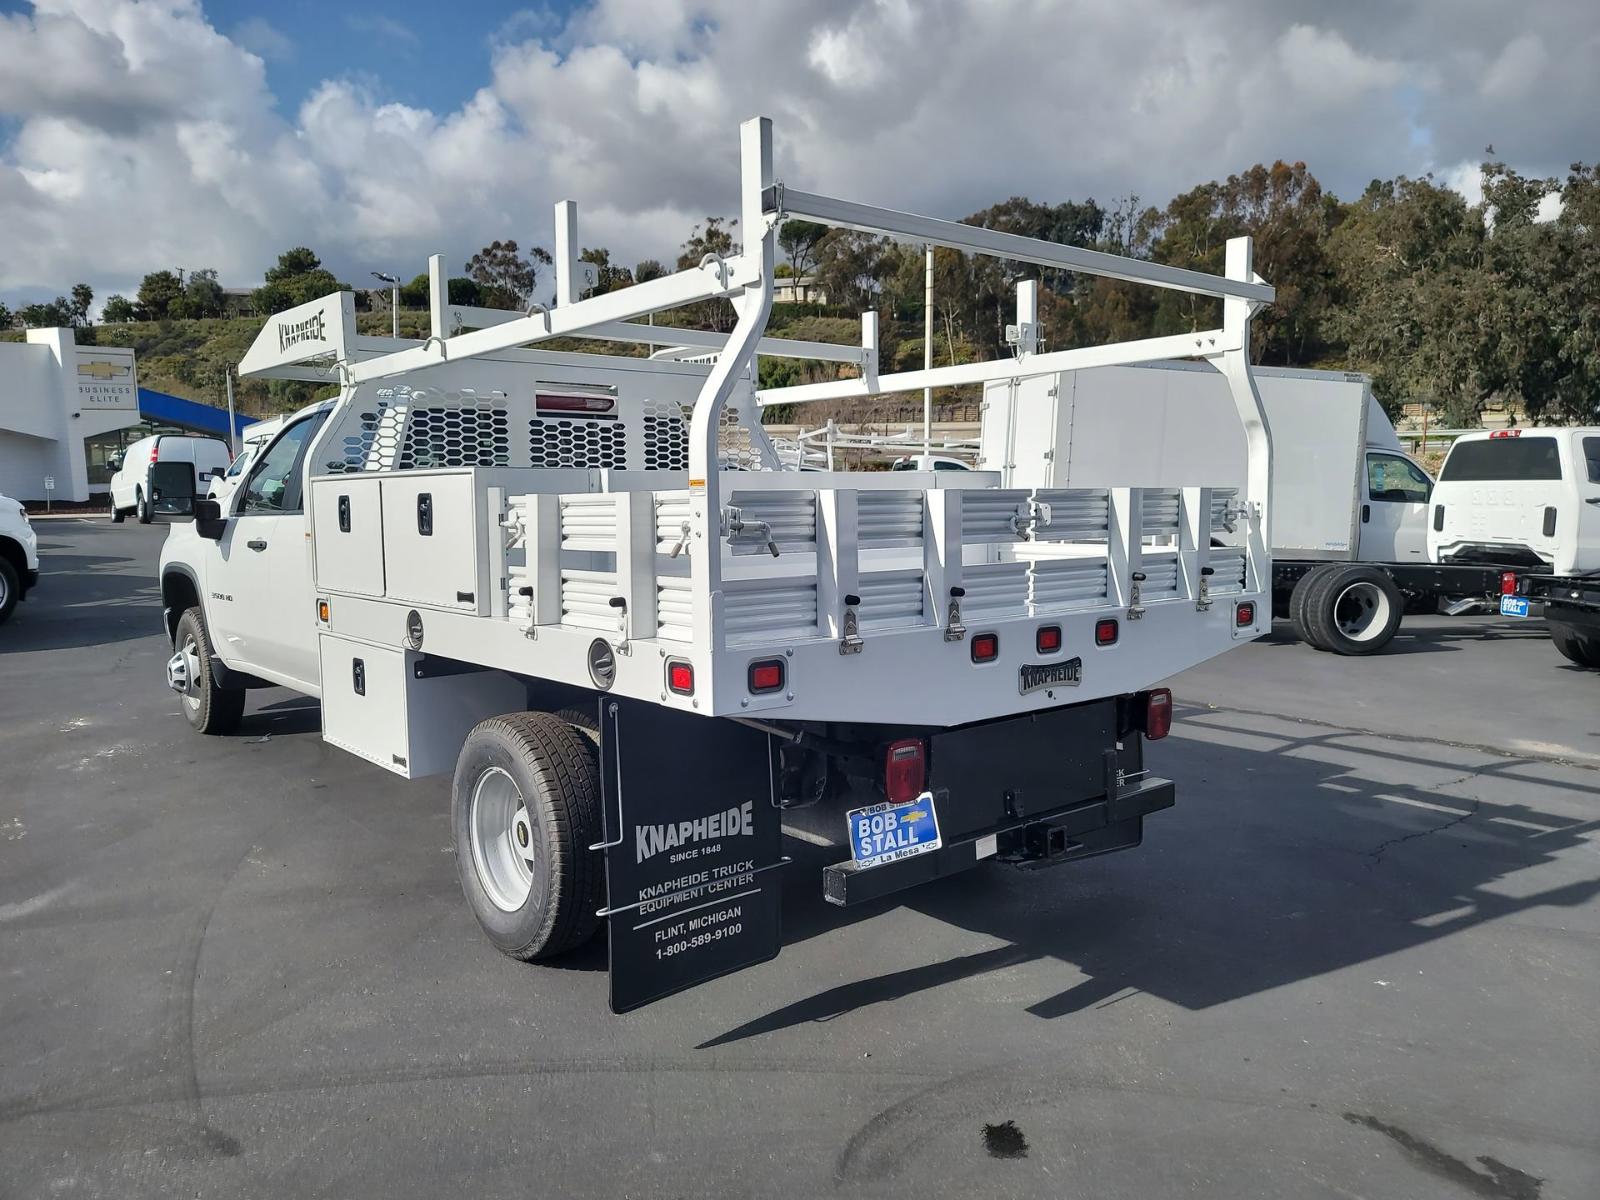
884,833
1513,606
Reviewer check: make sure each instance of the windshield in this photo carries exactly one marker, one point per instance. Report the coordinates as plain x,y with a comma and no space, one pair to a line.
1502,458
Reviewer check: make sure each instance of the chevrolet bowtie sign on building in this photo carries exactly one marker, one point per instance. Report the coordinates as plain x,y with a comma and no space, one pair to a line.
106,380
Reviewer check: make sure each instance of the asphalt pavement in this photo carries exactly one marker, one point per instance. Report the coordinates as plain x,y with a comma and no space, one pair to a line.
1359,958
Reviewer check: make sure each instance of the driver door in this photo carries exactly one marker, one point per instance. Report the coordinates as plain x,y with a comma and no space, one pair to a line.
261,598
1394,511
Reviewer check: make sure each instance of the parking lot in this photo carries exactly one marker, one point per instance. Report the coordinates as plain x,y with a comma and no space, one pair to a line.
1359,958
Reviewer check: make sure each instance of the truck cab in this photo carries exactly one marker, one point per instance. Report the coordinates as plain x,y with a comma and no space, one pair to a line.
1394,506
253,580
1520,497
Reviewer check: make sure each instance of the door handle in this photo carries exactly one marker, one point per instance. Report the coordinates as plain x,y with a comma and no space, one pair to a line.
1366,513
1593,500
256,544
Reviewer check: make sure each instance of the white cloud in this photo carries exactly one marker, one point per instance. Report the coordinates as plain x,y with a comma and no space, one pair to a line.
143,137
259,37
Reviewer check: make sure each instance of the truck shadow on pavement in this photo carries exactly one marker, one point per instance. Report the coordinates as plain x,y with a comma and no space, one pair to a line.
1294,851
84,600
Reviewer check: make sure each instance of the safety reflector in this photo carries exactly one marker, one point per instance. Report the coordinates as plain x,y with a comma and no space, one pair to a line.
1244,614
905,770
1106,632
766,675
985,647
680,677
1048,639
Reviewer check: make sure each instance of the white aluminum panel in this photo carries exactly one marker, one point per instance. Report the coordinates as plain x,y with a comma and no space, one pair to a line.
370,722
347,523
438,568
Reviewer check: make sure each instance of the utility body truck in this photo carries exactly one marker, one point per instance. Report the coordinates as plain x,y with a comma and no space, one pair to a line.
582,585
1349,507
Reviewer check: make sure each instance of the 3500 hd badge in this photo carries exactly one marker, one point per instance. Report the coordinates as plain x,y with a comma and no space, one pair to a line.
1033,676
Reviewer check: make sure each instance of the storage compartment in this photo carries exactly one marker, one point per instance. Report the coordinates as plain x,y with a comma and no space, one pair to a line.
394,708
347,519
430,540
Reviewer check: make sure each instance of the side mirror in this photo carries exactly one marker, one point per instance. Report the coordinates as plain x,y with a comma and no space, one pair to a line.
209,522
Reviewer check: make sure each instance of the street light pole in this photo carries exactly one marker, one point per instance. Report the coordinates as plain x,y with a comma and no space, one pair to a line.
394,300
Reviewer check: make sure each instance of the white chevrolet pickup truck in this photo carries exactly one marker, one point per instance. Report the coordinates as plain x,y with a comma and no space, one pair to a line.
584,586
19,556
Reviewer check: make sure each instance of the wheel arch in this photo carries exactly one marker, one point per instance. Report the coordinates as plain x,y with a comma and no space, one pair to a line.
180,590
11,550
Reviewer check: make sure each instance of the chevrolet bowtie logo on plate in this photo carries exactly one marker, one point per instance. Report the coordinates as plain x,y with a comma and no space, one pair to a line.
99,369
1033,676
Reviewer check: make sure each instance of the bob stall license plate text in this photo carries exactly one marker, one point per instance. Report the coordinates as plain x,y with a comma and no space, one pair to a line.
883,833
1513,606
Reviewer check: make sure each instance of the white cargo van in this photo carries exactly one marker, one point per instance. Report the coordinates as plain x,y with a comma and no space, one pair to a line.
164,473
1522,497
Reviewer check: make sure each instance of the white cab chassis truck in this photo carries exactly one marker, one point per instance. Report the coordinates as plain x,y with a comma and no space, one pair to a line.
1349,506
579,585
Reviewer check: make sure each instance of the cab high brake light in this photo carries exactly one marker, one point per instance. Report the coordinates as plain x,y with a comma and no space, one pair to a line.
905,770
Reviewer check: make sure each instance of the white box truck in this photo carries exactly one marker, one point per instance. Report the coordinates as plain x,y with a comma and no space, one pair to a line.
581,585
1349,506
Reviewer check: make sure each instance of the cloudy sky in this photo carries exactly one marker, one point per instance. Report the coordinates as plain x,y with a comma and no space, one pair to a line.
137,134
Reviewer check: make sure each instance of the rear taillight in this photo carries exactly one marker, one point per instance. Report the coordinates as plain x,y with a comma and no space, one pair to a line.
1157,713
766,675
1047,640
680,677
905,770
1244,614
985,647
1105,632
1508,583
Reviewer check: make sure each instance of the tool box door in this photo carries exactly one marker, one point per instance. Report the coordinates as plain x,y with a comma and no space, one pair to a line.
430,540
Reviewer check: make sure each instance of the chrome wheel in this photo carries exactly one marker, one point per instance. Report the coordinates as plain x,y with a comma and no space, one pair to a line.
5,591
504,847
183,672
1361,611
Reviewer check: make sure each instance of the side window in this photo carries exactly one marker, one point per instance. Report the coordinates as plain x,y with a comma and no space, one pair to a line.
274,484
1396,479
1591,455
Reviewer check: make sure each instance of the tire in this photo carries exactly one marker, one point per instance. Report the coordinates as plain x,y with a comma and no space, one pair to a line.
1580,648
581,719
208,708
1354,610
10,589
1297,605
118,515
529,776
142,507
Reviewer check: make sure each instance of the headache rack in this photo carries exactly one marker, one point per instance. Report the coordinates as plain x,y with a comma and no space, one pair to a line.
622,522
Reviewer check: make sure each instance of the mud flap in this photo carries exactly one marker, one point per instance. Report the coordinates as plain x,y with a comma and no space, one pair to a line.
693,843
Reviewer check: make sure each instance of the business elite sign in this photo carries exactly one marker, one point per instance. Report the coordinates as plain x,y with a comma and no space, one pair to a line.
107,379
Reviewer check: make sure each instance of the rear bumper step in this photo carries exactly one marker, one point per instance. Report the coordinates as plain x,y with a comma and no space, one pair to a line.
1077,831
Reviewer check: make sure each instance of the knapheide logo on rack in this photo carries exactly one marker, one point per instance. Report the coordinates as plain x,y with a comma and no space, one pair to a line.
292,333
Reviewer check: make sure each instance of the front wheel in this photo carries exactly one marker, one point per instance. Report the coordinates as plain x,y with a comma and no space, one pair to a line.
206,706
525,808
10,589
1583,649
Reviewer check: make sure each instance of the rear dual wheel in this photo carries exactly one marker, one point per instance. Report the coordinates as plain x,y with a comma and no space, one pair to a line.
525,810
1347,609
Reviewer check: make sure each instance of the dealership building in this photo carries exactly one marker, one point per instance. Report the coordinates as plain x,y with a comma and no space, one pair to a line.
66,410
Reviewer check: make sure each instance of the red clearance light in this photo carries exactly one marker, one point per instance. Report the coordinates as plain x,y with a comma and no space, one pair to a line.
985,647
1048,639
1505,433
1508,583
766,675
905,770
1244,614
1106,632
1157,713
680,677
580,404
